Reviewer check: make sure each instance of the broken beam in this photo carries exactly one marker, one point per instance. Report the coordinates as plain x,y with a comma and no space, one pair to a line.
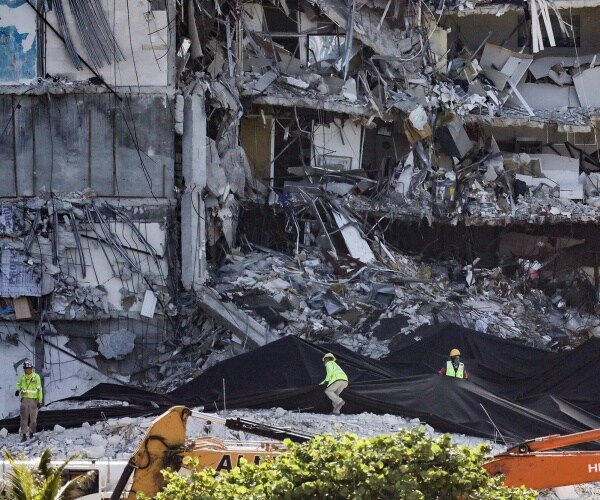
249,331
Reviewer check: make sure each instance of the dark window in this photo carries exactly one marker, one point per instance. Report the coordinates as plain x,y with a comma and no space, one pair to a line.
158,4
288,43
573,28
278,22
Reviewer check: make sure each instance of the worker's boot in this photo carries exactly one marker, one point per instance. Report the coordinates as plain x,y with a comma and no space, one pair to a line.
23,438
338,407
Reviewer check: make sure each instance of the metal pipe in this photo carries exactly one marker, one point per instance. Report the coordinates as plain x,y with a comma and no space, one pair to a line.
62,21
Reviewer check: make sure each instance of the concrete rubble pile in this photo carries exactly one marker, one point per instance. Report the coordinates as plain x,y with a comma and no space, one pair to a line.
366,311
118,438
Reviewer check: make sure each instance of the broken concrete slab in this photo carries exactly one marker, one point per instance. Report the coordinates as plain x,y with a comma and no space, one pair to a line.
244,327
295,82
264,81
116,345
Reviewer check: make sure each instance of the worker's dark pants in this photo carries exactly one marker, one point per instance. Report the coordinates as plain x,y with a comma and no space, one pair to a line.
29,411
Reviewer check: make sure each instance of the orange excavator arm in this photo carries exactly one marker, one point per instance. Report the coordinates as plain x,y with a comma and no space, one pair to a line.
535,463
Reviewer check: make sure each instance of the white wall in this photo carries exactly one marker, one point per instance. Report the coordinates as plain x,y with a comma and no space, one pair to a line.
337,140
144,30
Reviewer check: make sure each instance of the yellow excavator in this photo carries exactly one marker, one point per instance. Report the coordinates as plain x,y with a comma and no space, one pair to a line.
164,446
535,463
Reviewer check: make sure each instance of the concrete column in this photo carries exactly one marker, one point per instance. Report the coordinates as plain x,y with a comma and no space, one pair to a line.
193,231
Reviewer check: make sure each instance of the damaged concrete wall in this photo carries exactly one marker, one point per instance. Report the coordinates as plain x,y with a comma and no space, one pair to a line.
63,374
89,260
193,221
73,142
144,35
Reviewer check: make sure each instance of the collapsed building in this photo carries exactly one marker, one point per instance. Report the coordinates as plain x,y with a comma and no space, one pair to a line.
143,143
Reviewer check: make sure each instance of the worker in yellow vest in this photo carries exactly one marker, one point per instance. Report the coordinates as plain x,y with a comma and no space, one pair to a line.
29,388
336,381
454,367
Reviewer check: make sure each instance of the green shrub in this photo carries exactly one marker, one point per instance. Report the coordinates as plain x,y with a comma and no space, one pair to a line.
44,482
407,465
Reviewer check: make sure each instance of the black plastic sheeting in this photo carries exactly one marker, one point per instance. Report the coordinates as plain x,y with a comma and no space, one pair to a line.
514,392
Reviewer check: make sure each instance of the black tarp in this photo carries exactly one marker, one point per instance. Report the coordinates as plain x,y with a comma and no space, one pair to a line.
514,393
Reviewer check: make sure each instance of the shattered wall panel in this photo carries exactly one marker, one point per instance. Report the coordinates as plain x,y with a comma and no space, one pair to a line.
107,270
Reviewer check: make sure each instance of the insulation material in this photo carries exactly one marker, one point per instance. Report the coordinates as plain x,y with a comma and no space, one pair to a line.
17,277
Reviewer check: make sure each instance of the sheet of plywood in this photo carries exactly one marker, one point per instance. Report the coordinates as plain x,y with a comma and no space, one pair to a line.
256,137
22,308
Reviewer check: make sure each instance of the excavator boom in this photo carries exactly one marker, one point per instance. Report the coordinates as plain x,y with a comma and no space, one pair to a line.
536,464
546,470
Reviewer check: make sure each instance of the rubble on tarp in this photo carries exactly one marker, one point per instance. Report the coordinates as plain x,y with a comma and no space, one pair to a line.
316,303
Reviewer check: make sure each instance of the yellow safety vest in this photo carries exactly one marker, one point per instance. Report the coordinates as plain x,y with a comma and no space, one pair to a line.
334,373
30,386
450,372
